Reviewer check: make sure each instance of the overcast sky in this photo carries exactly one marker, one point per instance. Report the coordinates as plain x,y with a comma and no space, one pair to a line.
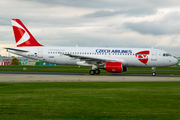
95,23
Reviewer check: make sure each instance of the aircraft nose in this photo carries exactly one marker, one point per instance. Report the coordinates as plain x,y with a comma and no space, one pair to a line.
175,60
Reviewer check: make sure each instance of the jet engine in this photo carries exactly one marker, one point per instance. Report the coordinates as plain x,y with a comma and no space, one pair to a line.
115,67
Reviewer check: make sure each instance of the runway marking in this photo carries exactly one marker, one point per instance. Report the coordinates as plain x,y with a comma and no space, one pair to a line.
98,74
81,78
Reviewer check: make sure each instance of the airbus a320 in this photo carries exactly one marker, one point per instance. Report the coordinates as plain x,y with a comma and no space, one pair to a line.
114,60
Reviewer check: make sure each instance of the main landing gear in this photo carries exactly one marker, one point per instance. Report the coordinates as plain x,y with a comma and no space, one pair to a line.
153,71
96,71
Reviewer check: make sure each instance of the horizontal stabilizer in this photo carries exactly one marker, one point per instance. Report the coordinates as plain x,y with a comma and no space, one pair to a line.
16,50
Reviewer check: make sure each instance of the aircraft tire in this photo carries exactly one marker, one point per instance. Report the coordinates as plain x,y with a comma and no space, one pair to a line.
153,74
97,71
92,72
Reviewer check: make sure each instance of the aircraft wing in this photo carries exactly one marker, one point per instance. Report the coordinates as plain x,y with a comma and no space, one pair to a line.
90,60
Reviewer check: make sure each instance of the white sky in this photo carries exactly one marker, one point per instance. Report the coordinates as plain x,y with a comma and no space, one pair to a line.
112,23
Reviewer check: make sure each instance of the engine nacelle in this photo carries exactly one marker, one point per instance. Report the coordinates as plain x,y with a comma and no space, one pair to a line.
115,67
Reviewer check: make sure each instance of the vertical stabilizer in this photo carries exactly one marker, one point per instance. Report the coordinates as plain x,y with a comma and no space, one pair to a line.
22,36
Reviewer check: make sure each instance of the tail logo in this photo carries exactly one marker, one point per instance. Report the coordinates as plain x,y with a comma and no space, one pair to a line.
142,56
23,36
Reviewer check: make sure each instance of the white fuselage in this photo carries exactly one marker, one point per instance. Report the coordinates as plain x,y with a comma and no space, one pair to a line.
130,57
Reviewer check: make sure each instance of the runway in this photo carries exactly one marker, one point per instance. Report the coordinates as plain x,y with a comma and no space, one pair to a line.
83,77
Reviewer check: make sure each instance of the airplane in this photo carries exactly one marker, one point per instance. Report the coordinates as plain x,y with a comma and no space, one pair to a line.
115,60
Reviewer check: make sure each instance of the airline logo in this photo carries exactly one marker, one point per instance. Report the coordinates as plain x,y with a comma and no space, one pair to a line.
142,56
112,51
22,36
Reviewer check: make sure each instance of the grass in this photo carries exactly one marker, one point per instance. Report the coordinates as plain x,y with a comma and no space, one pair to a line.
132,100
131,70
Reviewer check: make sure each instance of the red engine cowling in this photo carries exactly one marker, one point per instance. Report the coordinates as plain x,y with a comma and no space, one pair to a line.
115,67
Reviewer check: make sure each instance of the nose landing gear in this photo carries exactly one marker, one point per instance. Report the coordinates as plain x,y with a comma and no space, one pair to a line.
153,71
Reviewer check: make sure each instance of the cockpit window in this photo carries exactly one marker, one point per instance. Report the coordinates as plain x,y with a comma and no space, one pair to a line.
167,54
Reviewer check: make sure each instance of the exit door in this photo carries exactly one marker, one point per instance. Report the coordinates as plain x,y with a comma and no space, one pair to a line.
40,53
153,55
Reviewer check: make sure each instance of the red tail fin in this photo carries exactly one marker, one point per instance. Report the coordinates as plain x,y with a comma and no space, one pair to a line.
22,36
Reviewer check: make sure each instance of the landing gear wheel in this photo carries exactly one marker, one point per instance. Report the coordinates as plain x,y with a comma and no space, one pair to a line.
153,71
92,72
97,71
153,74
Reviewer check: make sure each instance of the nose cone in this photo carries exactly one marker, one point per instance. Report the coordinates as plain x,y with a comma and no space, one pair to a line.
175,61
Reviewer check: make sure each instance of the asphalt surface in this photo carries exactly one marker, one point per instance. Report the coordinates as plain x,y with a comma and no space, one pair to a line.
82,77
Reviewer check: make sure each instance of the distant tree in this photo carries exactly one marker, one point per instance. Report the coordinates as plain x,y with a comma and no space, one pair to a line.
15,61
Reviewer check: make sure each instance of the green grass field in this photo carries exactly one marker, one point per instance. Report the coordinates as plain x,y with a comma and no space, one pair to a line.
131,70
133,100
